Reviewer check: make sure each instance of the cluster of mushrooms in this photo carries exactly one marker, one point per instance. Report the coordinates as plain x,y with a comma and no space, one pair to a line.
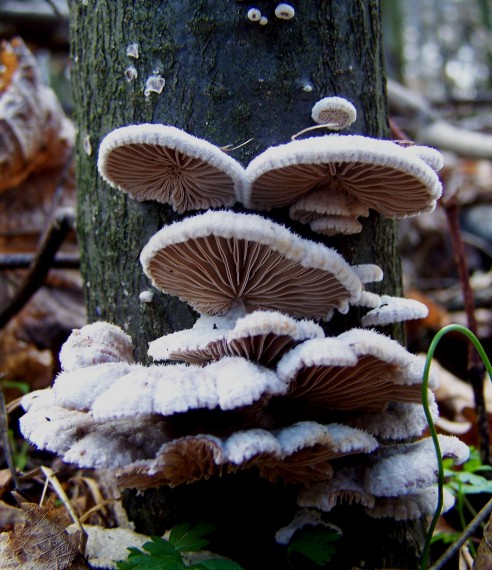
258,385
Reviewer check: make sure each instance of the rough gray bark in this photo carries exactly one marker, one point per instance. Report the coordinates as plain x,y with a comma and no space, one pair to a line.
227,80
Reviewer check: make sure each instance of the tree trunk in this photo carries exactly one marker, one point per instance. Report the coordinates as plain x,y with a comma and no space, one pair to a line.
226,80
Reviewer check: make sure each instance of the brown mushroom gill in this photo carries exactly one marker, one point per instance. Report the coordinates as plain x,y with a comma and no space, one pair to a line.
264,349
154,172
374,185
242,271
367,387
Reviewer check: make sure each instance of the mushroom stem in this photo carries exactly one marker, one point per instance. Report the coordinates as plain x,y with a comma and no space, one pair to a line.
314,128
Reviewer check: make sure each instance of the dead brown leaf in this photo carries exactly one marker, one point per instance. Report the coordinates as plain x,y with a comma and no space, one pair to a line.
9,516
34,132
41,542
5,481
483,560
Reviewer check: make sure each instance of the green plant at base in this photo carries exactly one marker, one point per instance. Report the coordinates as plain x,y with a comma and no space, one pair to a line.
162,554
461,483
16,454
313,543
425,401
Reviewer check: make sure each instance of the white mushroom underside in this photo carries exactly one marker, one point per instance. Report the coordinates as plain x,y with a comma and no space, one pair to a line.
150,172
163,163
335,111
347,486
262,337
378,173
221,259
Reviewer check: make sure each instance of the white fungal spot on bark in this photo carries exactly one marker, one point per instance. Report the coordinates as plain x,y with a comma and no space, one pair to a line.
254,15
132,50
284,12
146,296
154,84
131,73
86,145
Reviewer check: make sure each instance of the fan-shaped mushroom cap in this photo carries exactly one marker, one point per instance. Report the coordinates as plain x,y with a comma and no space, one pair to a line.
228,384
391,472
336,112
275,456
262,337
378,173
187,345
420,504
398,421
78,388
302,518
146,453
96,343
394,310
336,215
347,486
404,469
429,155
335,225
376,370
219,260
163,163
80,439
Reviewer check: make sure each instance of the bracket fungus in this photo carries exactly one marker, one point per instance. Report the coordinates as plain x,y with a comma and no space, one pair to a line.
218,261
256,386
96,343
394,310
296,454
166,164
358,371
353,172
391,482
262,337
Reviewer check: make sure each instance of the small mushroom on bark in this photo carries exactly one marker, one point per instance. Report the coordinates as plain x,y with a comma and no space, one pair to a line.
219,261
166,164
336,112
394,310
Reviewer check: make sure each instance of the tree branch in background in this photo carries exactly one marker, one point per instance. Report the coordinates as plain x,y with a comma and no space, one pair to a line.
62,222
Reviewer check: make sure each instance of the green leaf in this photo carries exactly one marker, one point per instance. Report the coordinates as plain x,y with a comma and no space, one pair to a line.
186,538
445,537
314,543
217,564
465,483
160,555
158,546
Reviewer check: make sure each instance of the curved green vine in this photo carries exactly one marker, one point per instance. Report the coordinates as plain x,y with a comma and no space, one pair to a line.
425,401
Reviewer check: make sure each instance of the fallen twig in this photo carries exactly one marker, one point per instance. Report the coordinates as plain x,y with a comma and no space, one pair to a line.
62,222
